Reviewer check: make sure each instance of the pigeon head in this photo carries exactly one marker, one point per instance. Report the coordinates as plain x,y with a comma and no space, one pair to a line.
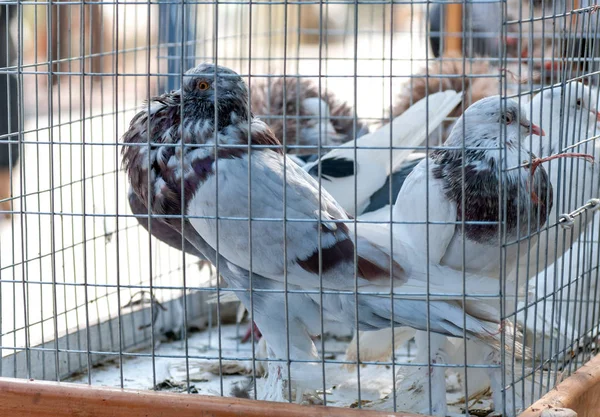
489,118
211,90
578,98
568,111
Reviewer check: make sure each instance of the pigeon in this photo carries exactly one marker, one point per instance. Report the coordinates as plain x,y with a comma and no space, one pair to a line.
311,118
352,181
303,103
562,307
569,113
435,187
160,230
203,139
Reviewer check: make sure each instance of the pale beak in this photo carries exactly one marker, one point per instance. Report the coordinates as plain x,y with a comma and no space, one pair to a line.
535,129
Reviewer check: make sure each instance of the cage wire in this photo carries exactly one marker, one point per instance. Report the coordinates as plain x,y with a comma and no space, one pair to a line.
88,295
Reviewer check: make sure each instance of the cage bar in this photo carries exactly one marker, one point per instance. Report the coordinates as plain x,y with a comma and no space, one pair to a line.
41,398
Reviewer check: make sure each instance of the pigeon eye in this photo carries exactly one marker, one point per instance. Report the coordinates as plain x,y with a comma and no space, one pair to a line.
203,85
507,118
578,102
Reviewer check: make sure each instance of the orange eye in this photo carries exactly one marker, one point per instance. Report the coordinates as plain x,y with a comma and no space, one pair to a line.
203,85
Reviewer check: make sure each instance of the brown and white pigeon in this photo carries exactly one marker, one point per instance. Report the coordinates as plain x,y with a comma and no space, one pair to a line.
200,152
303,117
474,80
311,118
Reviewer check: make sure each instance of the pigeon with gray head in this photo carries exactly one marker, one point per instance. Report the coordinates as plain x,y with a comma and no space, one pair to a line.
195,159
430,203
460,190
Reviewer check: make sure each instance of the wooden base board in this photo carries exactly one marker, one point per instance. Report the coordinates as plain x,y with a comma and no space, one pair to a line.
19,398
578,395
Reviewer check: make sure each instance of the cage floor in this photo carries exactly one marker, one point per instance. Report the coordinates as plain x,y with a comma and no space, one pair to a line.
169,372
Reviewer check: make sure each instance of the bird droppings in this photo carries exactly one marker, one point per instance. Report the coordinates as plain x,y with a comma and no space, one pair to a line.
175,386
362,403
477,412
203,374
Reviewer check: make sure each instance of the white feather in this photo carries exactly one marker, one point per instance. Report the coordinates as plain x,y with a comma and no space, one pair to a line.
372,166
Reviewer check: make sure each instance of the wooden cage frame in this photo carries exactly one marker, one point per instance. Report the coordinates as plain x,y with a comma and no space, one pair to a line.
576,396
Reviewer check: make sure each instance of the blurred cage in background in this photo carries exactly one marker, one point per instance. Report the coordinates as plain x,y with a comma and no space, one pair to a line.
87,296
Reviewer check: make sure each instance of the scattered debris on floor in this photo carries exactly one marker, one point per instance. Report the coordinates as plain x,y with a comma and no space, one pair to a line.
175,386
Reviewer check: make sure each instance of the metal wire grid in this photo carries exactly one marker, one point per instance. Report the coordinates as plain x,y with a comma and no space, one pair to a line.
71,231
71,247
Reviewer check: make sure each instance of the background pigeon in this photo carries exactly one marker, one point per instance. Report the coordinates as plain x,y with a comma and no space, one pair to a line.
568,113
310,116
476,80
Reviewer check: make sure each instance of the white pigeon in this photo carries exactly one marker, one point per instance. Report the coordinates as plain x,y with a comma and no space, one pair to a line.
216,158
364,164
561,313
429,214
568,114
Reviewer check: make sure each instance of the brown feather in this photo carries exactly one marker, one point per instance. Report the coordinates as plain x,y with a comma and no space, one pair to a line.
164,128
268,103
420,85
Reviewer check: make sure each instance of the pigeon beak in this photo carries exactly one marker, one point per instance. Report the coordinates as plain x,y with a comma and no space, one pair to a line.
535,129
597,115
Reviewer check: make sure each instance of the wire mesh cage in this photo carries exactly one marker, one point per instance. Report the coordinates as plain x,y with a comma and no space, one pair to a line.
395,244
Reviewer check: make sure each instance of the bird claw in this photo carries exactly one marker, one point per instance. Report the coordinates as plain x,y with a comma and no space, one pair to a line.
536,162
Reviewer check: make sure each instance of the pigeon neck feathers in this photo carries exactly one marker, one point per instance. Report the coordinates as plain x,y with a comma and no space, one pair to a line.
181,155
494,190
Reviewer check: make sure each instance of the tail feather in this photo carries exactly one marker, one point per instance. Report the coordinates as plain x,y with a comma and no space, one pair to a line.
407,130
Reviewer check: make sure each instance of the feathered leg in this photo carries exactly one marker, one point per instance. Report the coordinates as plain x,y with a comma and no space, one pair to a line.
503,399
376,346
413,392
